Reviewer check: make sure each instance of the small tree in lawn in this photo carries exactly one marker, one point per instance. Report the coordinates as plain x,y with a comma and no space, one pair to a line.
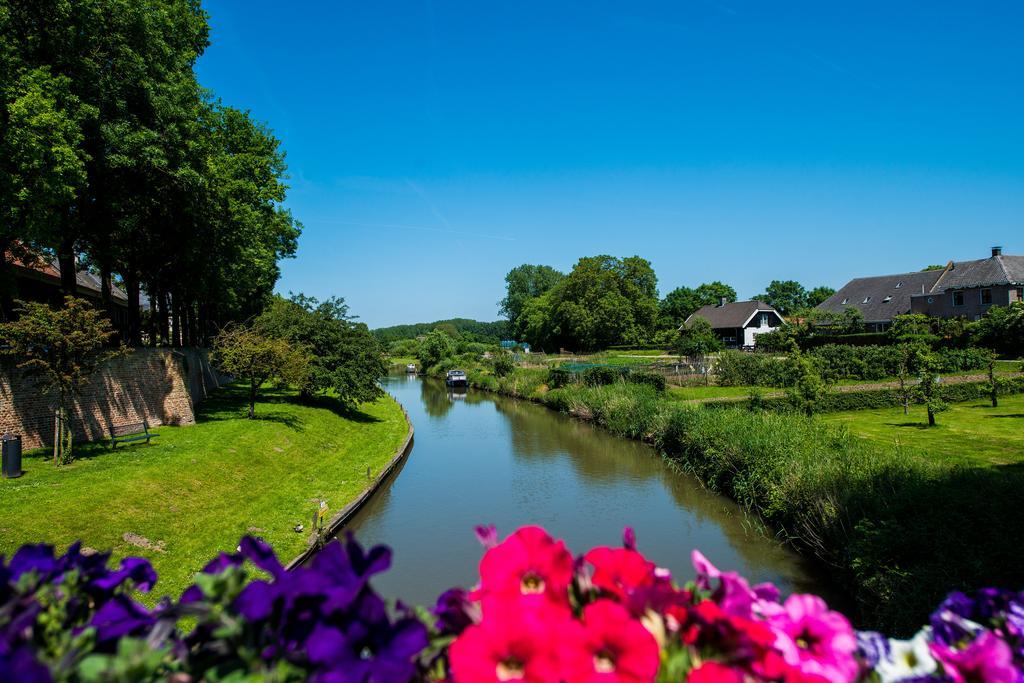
928,387
808,387
697,341
905,371
248,355
994,383
61,349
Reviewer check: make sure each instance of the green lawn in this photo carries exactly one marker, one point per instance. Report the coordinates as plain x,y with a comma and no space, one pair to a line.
972,433
196,490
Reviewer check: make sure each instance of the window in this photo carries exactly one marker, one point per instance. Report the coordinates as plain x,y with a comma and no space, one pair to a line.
886,299
1020,294
764,320
846,301
866,299
898,285
986,297
958,298
931,300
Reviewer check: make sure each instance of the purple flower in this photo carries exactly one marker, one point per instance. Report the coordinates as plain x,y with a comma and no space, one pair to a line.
369,649
487,535
21,665
872,647
135,569
119,617
455,612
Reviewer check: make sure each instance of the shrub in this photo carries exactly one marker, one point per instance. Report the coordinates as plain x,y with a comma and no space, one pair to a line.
504,365
651,379
559,377
602,376
735,368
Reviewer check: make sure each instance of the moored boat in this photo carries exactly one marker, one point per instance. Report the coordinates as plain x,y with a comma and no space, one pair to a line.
456,378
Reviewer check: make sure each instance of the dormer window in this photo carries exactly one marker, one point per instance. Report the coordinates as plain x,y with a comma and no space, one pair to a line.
846,301
866,299
886,299
898,285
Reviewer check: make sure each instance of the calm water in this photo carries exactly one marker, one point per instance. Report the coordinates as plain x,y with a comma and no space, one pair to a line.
485,459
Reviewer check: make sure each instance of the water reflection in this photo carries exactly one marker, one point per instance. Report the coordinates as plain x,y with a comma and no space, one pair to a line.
480,458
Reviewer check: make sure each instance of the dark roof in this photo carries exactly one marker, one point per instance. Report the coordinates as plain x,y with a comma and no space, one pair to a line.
88,283
880,298
731,314
996,270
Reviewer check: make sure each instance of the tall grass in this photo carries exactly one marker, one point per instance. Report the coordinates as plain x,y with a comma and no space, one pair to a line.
899,531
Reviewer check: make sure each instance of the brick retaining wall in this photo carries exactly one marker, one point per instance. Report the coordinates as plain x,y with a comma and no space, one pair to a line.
162,386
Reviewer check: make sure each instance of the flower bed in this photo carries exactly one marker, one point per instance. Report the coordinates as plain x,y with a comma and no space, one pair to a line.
538,614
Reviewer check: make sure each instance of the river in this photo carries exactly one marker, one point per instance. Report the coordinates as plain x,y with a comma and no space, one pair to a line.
479,458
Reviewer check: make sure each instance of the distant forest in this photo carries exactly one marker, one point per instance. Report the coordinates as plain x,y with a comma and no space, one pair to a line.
470,330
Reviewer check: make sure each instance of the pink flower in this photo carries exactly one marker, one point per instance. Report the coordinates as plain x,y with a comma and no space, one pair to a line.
988,658
815,640
509,645
714,672
612,647
620,571
530,565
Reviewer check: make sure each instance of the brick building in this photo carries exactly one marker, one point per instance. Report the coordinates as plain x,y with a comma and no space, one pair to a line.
962,289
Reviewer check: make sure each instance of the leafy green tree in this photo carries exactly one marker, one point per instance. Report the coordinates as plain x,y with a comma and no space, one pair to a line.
523,283
697,341
604,301
914,327
928,364
1001,329
344,357
435,347
247,354
785,296
818,295
60,349
681,302
808,388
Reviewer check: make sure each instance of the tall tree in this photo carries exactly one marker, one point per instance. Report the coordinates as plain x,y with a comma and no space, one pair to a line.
523,283
604,301
818,295
681,302
344,357
785,296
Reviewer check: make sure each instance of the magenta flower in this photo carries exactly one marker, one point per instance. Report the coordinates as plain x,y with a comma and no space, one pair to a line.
987,658
815,640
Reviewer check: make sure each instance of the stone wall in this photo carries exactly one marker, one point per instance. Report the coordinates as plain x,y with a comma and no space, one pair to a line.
161,386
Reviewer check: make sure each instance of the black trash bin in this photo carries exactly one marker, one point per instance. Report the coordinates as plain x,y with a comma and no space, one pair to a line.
11,456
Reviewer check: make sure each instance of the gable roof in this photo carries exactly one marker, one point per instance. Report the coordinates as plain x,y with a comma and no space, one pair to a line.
736,314
996,270
882,297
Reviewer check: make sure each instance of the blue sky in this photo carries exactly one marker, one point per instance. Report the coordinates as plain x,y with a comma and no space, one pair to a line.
433,146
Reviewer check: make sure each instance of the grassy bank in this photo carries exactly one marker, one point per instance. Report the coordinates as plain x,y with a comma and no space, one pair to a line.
196,490
899,529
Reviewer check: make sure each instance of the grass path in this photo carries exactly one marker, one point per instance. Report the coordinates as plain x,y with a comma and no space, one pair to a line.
970,433
196,490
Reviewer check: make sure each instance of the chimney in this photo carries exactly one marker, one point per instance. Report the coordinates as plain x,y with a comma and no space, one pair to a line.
721,301
997,251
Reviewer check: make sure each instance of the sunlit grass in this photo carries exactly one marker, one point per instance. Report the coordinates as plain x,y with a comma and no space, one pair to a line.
196,490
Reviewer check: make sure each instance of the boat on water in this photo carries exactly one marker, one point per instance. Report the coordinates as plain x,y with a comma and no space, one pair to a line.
410,368
456,378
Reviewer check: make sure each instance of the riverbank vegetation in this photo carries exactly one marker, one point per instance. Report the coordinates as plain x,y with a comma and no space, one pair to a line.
195,490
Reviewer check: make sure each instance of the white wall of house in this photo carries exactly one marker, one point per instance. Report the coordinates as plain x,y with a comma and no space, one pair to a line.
750,332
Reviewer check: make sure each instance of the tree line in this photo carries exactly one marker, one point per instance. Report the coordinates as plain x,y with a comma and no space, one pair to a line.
113,157
607,301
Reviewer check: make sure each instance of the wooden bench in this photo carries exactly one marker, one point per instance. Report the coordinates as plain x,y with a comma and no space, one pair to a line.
136,431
